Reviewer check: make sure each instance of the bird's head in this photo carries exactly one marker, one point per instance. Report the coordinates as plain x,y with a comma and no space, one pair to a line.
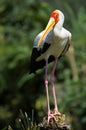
55,17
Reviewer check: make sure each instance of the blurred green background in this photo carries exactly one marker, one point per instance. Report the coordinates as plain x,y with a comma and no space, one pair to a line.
20,22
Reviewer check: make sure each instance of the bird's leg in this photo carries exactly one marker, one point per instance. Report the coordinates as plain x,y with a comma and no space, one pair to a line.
50,115
46,84
53,88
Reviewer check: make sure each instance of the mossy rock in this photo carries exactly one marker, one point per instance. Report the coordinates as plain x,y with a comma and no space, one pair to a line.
59,123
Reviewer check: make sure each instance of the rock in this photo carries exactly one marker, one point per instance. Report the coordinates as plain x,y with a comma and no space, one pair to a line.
59,123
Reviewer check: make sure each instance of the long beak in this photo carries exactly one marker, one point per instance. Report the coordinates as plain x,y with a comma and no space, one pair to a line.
49,26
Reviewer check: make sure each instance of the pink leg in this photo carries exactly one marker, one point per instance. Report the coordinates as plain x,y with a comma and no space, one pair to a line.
47,93
53,88
46,85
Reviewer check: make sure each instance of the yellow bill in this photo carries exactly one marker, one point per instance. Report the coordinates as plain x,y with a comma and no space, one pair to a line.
49,26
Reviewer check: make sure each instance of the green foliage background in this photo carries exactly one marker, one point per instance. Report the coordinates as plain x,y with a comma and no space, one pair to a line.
20,22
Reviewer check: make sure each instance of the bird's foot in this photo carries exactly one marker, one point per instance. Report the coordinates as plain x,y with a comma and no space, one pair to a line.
51,116
56,112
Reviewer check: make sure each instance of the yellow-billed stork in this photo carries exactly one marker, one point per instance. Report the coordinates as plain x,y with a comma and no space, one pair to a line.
50,45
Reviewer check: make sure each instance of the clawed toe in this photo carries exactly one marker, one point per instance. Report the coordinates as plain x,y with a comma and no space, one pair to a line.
56,112
51,116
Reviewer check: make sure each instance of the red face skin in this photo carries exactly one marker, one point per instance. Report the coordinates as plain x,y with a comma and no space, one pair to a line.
55,15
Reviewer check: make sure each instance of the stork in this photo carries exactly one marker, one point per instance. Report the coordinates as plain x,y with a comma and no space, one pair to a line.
50,45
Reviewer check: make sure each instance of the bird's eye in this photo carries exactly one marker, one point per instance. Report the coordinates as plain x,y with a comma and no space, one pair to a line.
57,15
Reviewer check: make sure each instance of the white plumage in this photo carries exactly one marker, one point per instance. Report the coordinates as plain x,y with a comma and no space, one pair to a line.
57,37
49,45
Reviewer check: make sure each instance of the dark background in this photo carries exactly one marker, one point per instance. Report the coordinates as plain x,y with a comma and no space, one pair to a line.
20,22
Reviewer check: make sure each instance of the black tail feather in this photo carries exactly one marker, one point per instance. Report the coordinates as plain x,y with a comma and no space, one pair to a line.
34,65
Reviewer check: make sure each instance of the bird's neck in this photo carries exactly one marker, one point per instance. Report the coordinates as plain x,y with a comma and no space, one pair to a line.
58,27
